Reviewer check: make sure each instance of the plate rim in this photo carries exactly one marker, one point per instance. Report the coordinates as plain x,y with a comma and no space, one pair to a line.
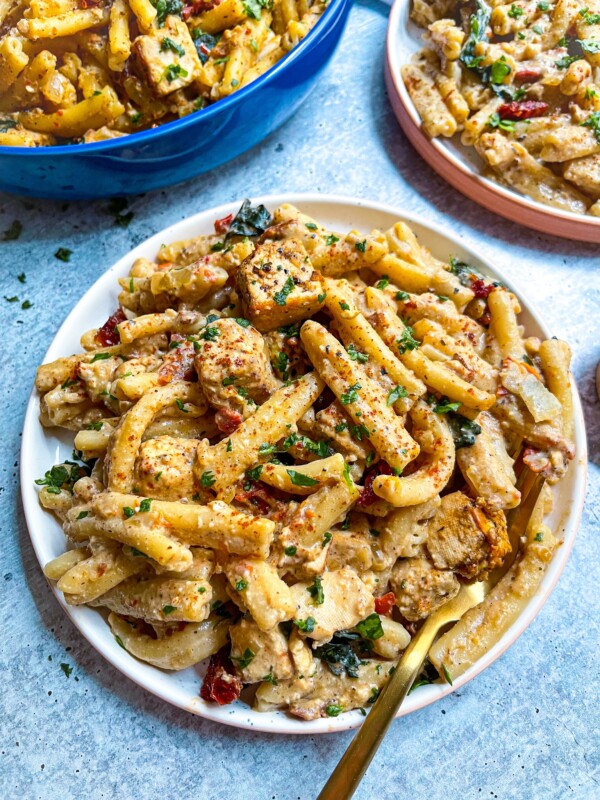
131,667
488,194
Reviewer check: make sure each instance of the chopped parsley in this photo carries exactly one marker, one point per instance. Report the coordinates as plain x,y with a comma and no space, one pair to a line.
350,396
291,550
593,123
315,590
447,675
305,625
26,304
565,62
100,357
66,669
539,537
209,333
385,281
396,394
444,406
145,504
63,254
241,585
229,447
128,512
169,610
254,473
402,296
361,246
168,44
62,476
515,11
298,479
13,231
311,226
370,628
327,537
166,8
228,381
21,277
494,121
244,323
589,18
362,358
321,297
407,341
331,239
499,70
207,479
245,659
174,71
333,710
181,405
344,306
253,8
281,365
82,514
281,296
359,432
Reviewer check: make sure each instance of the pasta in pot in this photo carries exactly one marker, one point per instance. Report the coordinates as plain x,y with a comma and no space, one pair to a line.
289,469
76,71
520,83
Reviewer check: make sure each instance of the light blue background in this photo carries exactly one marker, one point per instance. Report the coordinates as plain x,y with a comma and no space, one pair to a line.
526,728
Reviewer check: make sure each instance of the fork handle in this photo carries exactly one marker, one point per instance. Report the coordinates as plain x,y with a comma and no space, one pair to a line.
352,766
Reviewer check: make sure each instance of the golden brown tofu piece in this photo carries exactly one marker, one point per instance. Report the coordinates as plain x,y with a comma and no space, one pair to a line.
278,285
167,56
420,588
467,536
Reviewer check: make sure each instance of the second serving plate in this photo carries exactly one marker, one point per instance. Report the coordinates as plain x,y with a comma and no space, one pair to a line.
460,166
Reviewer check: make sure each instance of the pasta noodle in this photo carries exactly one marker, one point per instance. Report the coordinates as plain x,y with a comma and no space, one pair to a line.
292,481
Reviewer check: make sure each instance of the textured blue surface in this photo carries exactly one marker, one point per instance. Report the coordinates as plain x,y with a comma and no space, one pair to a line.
528,728
195,144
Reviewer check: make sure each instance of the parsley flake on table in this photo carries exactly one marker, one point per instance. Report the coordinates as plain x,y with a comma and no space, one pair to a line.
66,669
63,254
13,231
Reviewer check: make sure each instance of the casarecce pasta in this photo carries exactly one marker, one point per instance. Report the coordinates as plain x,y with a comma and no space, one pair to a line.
520,83
76,71
292,445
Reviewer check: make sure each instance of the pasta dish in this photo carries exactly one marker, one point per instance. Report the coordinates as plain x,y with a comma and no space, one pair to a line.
88,70
292,445
520,83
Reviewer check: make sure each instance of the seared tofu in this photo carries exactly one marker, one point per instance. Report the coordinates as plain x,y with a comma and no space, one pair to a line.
345,601
167,56
260,653
233,366
467,536
279,286
420,588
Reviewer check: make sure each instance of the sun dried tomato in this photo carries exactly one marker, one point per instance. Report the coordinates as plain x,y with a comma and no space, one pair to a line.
481,289
108,335
257,497
523,109
222,225
367,495
227,420
385,603
527,75
221,683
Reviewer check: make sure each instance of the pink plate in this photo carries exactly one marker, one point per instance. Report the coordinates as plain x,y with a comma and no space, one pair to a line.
458,165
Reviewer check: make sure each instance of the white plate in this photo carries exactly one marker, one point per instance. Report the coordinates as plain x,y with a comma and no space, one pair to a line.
461,166
42,448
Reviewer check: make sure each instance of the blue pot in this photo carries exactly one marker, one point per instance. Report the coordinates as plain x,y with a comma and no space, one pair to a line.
179,150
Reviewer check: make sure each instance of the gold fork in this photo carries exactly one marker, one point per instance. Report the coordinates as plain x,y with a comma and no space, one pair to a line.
352,766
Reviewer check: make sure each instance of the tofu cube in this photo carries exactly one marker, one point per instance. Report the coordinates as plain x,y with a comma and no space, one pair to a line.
168,56
279,286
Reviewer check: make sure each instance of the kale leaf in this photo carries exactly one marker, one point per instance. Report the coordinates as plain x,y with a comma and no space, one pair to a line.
249,221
